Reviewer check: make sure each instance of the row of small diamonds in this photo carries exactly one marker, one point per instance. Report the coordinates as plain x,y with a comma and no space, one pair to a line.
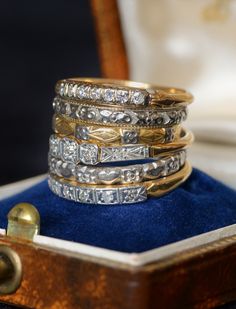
91,92
129,174
106,196
70,151
94,114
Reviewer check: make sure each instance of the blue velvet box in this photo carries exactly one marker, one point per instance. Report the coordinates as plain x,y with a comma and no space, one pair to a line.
200,205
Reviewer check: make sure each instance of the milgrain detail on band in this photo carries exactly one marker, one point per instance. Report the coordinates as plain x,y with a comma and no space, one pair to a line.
104,196
123,135
118,174
104,115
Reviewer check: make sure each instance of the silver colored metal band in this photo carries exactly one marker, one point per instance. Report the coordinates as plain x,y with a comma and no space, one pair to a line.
103,196
104,115
118,174
69,150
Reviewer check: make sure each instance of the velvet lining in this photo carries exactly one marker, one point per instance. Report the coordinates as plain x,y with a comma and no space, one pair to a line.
200,205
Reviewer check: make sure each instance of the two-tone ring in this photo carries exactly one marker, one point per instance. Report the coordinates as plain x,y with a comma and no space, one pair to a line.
117,194
72,150
120,93
135,173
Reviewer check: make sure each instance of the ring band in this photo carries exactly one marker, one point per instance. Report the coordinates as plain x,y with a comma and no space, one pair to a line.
118,174
118,194
115,135
118,92
125,117
70,150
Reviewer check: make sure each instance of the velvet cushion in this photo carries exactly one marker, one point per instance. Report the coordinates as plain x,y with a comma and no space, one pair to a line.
200,205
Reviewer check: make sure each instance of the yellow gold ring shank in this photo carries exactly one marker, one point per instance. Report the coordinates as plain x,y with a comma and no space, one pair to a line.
115,135
121,92
117,194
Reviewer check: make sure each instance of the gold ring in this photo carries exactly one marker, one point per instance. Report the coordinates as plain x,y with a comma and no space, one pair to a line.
117,194
121,92
115,135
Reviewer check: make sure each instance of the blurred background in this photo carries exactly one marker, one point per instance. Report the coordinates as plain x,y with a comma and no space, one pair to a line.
41,42
195,49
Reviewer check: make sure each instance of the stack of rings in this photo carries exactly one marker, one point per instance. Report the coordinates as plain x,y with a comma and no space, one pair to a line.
117,142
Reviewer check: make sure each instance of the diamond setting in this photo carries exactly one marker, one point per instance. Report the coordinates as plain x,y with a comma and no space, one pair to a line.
109,95
125,153
130,137
54,146
82,132
96,92
108,196
69,150
104,196
88,154
101,115
138,97
133,194
122,96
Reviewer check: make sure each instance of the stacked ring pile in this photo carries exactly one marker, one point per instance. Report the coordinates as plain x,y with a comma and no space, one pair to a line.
117,142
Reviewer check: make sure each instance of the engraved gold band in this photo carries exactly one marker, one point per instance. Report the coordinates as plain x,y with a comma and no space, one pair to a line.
115,135
118,93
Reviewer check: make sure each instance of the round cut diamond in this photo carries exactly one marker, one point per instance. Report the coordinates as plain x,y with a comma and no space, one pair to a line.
122,96
83,92
95,93
82,133
109,95
138,97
